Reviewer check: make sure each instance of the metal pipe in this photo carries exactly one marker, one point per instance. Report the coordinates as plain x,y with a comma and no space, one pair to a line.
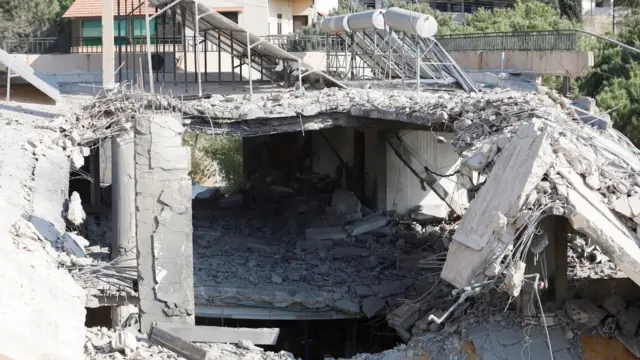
183,15
233,68
249,61
133,43
149,67
300,74
119,40
418,56
206,56
219,60
174,22
196,38
8,84
165,9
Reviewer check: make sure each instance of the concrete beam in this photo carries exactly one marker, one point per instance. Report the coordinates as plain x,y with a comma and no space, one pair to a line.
564,63
217,334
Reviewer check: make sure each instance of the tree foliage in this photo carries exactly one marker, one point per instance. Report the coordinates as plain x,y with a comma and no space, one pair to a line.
525,15
27,18
571,9
615,80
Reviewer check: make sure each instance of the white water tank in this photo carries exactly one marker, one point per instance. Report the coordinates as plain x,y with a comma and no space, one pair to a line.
411,22
366,20
335,24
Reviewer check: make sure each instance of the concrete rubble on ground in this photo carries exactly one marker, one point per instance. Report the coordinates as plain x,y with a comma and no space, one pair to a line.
549,163
321,253
105,344
330,252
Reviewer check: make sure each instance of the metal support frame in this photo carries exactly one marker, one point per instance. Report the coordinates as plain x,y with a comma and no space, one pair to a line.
249,46
8,84
197,47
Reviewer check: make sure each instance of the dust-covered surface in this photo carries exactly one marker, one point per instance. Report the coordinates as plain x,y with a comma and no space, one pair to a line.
106,344
301,252
41,308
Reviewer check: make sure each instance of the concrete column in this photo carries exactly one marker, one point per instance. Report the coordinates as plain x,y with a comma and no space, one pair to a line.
163,222
558,232
108,45
381,171
123,207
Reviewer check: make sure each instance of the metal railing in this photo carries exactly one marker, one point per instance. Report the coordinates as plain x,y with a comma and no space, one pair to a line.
558,40
44,45
555,40
301,43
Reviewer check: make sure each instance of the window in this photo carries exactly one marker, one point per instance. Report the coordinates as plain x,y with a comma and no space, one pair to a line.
300,21
279,32
92,31
233,16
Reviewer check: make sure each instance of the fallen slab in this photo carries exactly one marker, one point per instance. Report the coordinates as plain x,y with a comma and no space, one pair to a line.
174,343
227,335
484,232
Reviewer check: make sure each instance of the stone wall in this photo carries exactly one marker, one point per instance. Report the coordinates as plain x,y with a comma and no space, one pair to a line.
163,217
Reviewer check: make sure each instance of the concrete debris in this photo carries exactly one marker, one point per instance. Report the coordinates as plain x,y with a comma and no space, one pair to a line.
76,213
74,244
548,162
105,344
584,311
309,256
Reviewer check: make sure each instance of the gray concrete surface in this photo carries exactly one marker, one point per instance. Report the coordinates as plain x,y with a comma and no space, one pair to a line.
163,215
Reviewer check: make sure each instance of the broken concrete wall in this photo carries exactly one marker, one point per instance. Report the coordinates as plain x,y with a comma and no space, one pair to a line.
41,308
403,188
164,223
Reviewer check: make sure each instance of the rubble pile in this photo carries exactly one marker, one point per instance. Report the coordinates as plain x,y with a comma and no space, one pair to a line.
299,252
549,163
105,344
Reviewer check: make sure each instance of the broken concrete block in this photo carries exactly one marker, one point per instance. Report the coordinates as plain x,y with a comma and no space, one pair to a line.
74,244
77,159
613,304
347,251
584,311
348,306
514,277
404,316
362,290
76,213
332,233
372,305
629,320
367,225
231,201
345,202
84,261
628,206
124,341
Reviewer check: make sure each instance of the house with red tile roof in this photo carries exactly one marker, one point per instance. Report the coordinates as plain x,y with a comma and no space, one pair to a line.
261,17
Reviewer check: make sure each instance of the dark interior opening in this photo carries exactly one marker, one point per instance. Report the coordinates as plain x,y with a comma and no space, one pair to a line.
320,339
96,317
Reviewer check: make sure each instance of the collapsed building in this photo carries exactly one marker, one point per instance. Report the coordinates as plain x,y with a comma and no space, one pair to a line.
355,202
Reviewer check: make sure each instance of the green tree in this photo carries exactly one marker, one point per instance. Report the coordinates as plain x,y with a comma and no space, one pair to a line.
526,15
27,18
571,9
622,98
615,80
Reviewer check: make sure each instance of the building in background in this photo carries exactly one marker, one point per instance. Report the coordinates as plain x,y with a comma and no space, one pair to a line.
261,17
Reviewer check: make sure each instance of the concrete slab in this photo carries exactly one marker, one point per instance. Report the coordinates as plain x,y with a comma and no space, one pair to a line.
216,334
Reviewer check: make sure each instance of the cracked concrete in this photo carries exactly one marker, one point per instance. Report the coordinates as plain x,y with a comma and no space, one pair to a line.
163,213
